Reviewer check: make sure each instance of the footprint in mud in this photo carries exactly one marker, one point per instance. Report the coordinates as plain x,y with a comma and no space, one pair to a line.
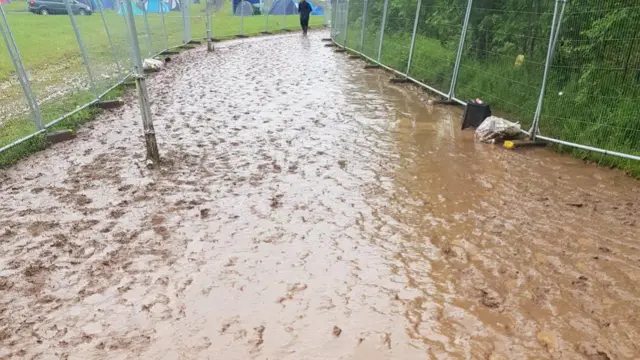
232,261
492,299
336,331
258,338
38,227
276,201
593,351
292,291
581,283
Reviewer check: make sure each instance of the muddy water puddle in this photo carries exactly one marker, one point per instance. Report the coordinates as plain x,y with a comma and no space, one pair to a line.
307,209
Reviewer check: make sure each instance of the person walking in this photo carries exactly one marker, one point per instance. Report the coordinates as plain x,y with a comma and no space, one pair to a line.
304,8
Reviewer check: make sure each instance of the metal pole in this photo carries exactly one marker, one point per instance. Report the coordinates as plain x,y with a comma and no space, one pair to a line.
334,5
82,48
106,29
208,14
284,15
346,24
266,18
384,23
558,25
186,22
164,26
148,31
364,24
241,19
413,36
14,54
463,36
547,65
141,86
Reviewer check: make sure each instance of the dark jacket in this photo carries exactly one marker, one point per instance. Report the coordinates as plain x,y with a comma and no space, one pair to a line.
304,8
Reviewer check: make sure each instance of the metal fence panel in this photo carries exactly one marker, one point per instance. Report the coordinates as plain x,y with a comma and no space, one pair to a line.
372,27
437,42
340,32
399,25
506,73
60,80
594,79
355,16
20,114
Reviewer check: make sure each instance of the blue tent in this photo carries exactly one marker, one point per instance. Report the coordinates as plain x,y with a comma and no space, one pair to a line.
316,10
136,10
236,2
108,4
157,6
283,7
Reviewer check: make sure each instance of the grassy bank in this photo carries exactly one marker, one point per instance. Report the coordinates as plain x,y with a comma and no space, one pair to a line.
20,127
59,78
608,122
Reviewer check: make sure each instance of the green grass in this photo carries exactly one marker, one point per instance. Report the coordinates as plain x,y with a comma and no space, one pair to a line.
20,127
59,79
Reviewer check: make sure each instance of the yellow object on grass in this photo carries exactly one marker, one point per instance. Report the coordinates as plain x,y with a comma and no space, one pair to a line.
519,61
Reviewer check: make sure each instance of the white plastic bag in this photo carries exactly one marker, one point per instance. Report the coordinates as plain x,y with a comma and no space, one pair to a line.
152,65
495,129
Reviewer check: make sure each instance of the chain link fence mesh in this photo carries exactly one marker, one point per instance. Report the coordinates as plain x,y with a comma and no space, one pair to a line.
592,76
594,80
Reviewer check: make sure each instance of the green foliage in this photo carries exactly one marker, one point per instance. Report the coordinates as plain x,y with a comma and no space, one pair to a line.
593,90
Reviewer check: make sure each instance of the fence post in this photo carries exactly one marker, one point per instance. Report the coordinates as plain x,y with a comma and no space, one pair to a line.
456,67
553,37
346,26
241,20
413,36
284,18
382,26
14,54
364,24
335,21
141,86
164,27
113,50
266,19
83,51
186,22
147,29
208,15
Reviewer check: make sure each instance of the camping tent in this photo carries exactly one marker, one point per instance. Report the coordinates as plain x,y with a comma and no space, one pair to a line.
315,9
156,6
283,7
236,3
136,10
108,4
244,8
174,5
318,10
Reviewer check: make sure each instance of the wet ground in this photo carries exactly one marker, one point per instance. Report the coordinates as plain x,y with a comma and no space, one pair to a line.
308,209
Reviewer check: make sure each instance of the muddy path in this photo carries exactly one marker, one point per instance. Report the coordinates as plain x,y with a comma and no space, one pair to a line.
310,210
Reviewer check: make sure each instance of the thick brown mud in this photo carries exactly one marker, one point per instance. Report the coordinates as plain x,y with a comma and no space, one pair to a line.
308,209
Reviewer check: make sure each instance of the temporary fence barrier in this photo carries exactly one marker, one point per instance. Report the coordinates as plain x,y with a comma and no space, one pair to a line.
567,71
83,57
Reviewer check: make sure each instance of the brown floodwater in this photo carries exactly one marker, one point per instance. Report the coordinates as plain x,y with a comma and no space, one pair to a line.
308,209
